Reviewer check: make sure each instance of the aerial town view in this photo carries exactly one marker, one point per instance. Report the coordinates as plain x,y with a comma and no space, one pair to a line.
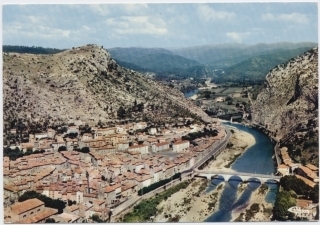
194,112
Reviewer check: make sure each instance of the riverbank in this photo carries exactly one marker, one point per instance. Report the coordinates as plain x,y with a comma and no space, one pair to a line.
239,142
256,210
191,204
194,97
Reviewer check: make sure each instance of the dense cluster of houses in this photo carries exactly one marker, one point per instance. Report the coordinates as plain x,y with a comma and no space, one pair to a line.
117,166
309,174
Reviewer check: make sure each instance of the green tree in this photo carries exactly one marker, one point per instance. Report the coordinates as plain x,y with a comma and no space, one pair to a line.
293,183
85,150
50,220
314,194
28,152
13,154
62,148
48,202
96,218
303,161
121,112
283,202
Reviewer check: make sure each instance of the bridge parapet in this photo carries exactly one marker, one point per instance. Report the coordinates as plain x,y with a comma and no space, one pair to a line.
263,178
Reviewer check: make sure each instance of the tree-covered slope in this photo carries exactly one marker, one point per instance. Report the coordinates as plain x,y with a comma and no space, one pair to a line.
255,68
131,54
30,50
161,62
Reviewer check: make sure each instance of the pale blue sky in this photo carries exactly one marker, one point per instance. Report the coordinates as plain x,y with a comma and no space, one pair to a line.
158,25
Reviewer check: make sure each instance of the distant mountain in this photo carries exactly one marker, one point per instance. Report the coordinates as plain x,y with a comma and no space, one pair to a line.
230,54
262,47
209,53
131,54
257,67
30,50
130,66
160,61
196,71
239,61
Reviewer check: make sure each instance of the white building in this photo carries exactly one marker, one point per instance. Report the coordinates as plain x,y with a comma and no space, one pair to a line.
304,209
124,145
180,146
160,146
152,131
143,149
73,129
284,170
303,213
40,135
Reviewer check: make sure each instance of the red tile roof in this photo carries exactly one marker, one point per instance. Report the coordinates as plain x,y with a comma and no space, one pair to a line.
27,205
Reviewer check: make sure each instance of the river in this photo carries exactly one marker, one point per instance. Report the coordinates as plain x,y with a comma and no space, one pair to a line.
191,93
256,159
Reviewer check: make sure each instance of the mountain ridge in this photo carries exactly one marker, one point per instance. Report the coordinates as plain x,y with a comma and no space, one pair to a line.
205,54
84,82
256,67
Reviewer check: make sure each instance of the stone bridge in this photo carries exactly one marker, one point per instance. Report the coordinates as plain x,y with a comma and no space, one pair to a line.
251,177
231,116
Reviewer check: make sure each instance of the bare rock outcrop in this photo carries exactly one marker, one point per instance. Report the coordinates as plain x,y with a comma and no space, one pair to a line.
287,105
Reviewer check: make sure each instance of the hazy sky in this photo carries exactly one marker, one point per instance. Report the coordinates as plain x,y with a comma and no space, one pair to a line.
158,25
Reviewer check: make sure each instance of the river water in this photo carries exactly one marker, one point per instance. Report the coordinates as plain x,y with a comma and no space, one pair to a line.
191,93
256,159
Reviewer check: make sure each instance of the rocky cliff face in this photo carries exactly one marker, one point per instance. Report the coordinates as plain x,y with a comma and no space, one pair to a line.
86,83
287,105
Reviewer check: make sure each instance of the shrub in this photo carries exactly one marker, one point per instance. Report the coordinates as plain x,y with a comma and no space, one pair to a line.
62,148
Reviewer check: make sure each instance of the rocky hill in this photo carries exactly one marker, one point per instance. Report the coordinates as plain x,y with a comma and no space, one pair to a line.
287,106
84,83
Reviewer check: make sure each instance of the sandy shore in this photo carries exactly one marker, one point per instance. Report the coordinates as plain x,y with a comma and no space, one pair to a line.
194,97
190,204
263,215
240,142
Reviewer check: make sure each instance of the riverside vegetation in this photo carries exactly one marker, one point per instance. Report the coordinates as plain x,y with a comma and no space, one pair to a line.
148,208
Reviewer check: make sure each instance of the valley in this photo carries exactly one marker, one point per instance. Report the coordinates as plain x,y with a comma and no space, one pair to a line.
142,136
147,112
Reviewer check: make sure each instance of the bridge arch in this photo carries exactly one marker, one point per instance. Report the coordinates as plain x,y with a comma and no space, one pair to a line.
272,181
256,180
218,177
234,178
